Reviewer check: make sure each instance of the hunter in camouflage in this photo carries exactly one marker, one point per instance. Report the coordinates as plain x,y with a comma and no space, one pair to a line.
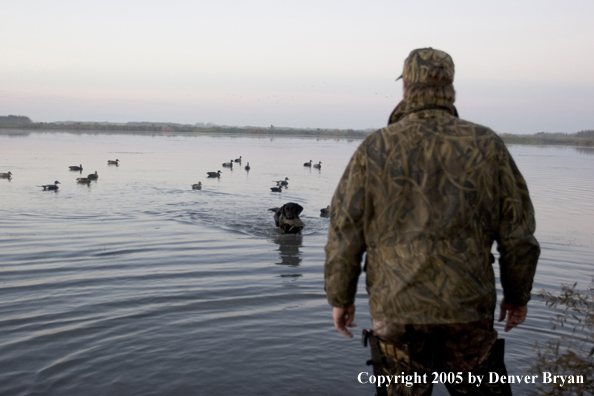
425,198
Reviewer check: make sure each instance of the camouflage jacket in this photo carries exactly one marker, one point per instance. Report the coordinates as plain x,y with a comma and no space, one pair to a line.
425,198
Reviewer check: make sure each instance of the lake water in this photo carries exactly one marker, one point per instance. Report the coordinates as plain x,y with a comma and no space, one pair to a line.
138,285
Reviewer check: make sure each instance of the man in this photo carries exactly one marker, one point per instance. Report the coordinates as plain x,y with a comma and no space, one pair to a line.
425,198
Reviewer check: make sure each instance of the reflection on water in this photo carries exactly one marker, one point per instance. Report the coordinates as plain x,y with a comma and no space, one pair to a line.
137,284
233,132
549,149
288,250
585,150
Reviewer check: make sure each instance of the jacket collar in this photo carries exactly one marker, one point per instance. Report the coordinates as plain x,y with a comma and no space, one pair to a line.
405,108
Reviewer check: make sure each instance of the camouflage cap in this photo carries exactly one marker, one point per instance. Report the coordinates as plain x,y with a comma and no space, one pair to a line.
428,66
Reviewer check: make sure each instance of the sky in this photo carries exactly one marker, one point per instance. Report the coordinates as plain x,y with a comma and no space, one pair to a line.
522,66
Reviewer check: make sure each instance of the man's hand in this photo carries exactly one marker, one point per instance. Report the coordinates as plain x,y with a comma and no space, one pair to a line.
343,318
515,315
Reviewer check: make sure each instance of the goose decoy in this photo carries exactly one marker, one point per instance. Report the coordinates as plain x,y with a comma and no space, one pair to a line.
283,183
287,218
228,164
214,174
93,176
308,163
49,187
318,166
6,175
248,167
110,162
325,212
238,159
197,186
84,180
276,189
76,168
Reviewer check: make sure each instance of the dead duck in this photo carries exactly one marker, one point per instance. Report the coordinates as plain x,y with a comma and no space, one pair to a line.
197,186
287,218
93,176
325,212
6,175
214,174
228,164
83,180
238,159
76,168
111,162
276,189
248,167
308,163
283,183
318,165
49,187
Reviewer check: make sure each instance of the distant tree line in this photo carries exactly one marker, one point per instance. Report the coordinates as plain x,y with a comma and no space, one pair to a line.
582,138
15,119
178,128
589,133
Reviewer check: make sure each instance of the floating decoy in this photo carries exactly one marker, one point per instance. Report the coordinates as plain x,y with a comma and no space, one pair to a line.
248,167
53,187
325,212
276,189
93,176
197,186
110,162
76,168
228,164
287,218
283,183
85,180
238,159
308,163
6,175
318,166
214,174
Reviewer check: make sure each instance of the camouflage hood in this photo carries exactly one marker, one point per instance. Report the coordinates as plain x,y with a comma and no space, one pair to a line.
426,68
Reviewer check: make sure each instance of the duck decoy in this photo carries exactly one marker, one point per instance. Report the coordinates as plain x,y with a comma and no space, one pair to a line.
197,186
76,168
111,162
325,212
276,189
248,167
287,218
283,183
214,174
93,176
308,163
6,175
318,166
84,180
228,164
49,187
238,159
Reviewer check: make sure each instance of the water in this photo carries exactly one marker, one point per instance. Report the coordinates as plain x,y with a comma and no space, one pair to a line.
138,285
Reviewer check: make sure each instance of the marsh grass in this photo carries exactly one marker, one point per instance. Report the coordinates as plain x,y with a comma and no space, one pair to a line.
568,354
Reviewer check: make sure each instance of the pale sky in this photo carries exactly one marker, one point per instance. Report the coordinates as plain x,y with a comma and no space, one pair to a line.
522,66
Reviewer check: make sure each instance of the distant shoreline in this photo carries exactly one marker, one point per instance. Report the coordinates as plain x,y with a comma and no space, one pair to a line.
186,129
580,139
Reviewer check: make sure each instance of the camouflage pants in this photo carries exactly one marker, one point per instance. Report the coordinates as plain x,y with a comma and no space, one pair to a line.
445,353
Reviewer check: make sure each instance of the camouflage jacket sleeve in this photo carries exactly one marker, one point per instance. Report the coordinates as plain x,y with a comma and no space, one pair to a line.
346,243
516,243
